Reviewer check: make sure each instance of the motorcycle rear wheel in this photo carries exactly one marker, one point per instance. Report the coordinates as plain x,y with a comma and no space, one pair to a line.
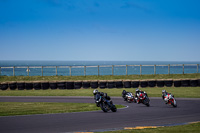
114,109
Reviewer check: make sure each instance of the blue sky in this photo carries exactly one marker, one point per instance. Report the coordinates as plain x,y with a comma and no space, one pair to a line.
100,30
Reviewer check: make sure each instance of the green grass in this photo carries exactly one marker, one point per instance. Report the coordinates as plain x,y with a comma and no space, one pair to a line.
187,92
29,108
190,128
121,77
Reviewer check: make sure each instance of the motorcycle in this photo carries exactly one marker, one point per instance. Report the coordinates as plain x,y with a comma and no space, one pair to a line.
143,98
128,96
171,100
104,103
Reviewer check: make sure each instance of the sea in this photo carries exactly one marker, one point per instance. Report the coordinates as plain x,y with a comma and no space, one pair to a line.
76,68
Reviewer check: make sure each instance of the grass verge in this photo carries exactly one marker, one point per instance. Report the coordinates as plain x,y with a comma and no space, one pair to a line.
184,92
107,77
29,108
190,128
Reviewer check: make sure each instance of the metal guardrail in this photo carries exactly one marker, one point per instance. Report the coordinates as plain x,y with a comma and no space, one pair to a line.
101,66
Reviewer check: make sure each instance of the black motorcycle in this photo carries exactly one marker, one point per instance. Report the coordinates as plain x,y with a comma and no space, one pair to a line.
103,101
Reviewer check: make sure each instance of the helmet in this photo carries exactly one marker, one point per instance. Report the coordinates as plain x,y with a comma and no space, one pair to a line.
163,91
137,90
95,92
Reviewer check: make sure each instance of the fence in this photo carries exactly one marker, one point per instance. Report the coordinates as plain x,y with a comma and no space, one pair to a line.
99,70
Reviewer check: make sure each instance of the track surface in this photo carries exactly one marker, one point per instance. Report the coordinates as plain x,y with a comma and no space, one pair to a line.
157,114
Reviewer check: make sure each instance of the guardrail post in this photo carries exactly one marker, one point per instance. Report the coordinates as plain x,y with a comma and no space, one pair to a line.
13,71
169,69
84,70
70,71
0,71
42,71
56,70
28,70
112,70
197,68
154,69
140,70
126,70
183,68
98,70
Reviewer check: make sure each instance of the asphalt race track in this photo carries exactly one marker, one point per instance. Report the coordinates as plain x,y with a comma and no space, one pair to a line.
157,114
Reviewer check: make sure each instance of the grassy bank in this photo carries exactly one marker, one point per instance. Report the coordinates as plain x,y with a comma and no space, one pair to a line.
121,77
29,108
187,92
190,128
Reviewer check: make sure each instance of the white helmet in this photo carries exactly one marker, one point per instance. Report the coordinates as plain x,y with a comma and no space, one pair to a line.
163,91
95,92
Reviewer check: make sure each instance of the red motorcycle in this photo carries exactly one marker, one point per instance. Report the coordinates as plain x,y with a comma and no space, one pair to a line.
171,100
143,98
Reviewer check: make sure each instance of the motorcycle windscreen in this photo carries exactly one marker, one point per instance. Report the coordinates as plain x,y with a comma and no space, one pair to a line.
97,97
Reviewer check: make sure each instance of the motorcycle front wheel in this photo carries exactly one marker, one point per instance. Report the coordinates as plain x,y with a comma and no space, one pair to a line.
104,107
173,103
147,104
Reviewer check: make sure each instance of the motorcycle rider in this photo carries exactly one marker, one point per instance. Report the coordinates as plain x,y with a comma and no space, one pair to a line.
137,92
95,92
124,95
165,96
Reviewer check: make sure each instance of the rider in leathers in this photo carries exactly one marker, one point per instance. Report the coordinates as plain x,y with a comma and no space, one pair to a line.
102,94
137,92
165,96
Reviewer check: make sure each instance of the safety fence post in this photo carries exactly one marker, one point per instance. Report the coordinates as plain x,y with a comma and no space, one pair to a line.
183,68
28,70
126,70
112,70
84,70
140,70
13,71
42,71
98,70
70,71
154,69
56,70
169,69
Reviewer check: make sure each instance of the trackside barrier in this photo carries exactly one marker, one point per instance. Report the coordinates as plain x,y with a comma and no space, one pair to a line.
86,84
118,84
152,83
45,85
135,84
13,85
53,85
160,83
37,85
94,84
127,84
